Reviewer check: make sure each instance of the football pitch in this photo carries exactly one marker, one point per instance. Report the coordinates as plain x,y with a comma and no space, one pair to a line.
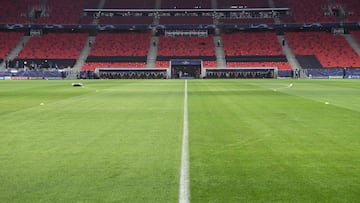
122,140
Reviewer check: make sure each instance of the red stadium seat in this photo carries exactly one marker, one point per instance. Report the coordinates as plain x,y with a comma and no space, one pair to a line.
186,46
251,44
60,13
333,51
305,11
279,65
93,66
54,46
8,41
17,11
122,44
162,64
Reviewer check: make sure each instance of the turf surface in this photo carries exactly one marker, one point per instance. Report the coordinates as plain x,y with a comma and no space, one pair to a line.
269,141
120,141
107,142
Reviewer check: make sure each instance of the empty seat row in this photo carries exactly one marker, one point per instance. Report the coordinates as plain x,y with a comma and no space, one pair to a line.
279,65
121,44
54,46
251,44
60,12
305,11
332,50
17,11
186,46
93,66
8,41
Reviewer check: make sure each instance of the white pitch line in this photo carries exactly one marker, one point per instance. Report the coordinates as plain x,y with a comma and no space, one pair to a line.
184,190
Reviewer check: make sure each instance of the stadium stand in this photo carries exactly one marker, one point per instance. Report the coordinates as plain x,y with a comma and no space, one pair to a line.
8,41
186,4
86,20
356,35
91,3
246,21
54,46
59,12
124,50
162,64
209,64
129,49
166,64
310,11
93,66
18,11
186,46
129,20
332,51
243,4
251,44
178,20
130,4
121,44
351,8
279,65
281,3
287,19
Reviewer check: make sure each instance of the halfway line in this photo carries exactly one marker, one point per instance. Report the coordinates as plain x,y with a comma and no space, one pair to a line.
184,192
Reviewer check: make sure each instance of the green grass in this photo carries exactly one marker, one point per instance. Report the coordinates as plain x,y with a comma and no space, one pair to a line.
108,142
120,141
249,143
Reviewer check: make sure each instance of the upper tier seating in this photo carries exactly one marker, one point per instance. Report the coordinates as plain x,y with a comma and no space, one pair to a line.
305,11
121,44
353,7
186,4
186,46
63,12
8,41
148,20
251,44
86,20
54,46
332,50
247,21
91,3
17,11
281,3
130,4
243,4
171,20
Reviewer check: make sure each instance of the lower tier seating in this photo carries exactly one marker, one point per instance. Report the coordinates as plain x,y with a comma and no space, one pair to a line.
279,65
93,66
